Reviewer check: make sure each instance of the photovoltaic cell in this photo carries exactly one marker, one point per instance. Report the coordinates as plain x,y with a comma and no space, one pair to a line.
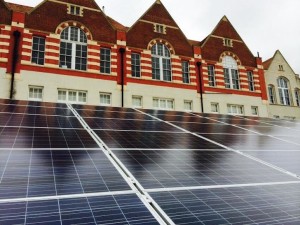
25,120
12,137
211,128
114,114
166,169
288,160
105,210
277,204
117,124
150,140
20,109
36,173
251,142
273,130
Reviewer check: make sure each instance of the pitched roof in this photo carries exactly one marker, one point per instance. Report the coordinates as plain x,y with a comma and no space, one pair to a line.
19,8
267,63
117,25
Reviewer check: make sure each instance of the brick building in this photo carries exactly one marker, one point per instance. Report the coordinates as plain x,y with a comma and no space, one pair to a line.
80,55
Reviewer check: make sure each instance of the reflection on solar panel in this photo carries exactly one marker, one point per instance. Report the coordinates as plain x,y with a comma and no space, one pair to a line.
80,164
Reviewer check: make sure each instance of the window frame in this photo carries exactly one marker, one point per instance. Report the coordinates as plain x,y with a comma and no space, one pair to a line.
39,96
284,91
69,93
251,82
217,107
272,94
106,94
40,52
185,66
161,63
297,96
231,73
211,75
163,103
105,60
136,65
140,99
69,55
254,111
234,109
190,104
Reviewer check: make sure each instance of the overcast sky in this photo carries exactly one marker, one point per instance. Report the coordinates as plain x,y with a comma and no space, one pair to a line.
264,25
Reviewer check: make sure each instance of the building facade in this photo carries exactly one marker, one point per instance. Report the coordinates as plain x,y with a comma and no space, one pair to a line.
80,55
283,86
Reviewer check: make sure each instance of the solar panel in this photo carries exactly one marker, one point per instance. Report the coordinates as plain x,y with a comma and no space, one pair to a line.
166,169
152,140
277,204
110,209
36,173
153,166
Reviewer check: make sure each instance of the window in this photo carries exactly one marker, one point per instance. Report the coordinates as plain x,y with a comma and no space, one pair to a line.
297,95
38,50
105,99
280,68
283,89
231,75
105,60
135,65
227,42
161,103
214,107
254,110
250,81
158,28
188,105
75,10
185,72
211,76
73,49
235,109
161,63
137,101
72,96
35,93
272,96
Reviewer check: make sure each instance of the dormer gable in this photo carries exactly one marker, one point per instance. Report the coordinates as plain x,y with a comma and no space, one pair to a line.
86,12
225,38
157,24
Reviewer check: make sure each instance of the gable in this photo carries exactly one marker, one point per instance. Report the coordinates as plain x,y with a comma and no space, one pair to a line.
143,31
54,13
5,13
278,59
86,3
213,46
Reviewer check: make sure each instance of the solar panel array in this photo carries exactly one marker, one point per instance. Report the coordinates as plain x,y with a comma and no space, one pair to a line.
80,164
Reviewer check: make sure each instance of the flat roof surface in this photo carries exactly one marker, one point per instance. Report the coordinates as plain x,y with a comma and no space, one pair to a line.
80,164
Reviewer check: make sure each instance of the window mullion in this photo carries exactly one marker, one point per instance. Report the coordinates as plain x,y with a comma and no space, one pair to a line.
161,68
73,60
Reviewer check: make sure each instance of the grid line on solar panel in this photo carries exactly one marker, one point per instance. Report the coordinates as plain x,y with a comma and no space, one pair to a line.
119,124
278,204
36,173
40,121
45,138
119,209
165,169
16,109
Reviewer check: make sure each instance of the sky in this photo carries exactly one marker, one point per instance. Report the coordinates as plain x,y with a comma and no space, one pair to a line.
264,25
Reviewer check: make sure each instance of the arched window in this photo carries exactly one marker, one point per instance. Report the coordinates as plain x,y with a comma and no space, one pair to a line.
73,49
272,96
283,89
161,62
231,75
297,95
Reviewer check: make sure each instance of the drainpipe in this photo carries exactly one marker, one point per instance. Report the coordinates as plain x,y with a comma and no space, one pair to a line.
201,88
122,51
15,56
